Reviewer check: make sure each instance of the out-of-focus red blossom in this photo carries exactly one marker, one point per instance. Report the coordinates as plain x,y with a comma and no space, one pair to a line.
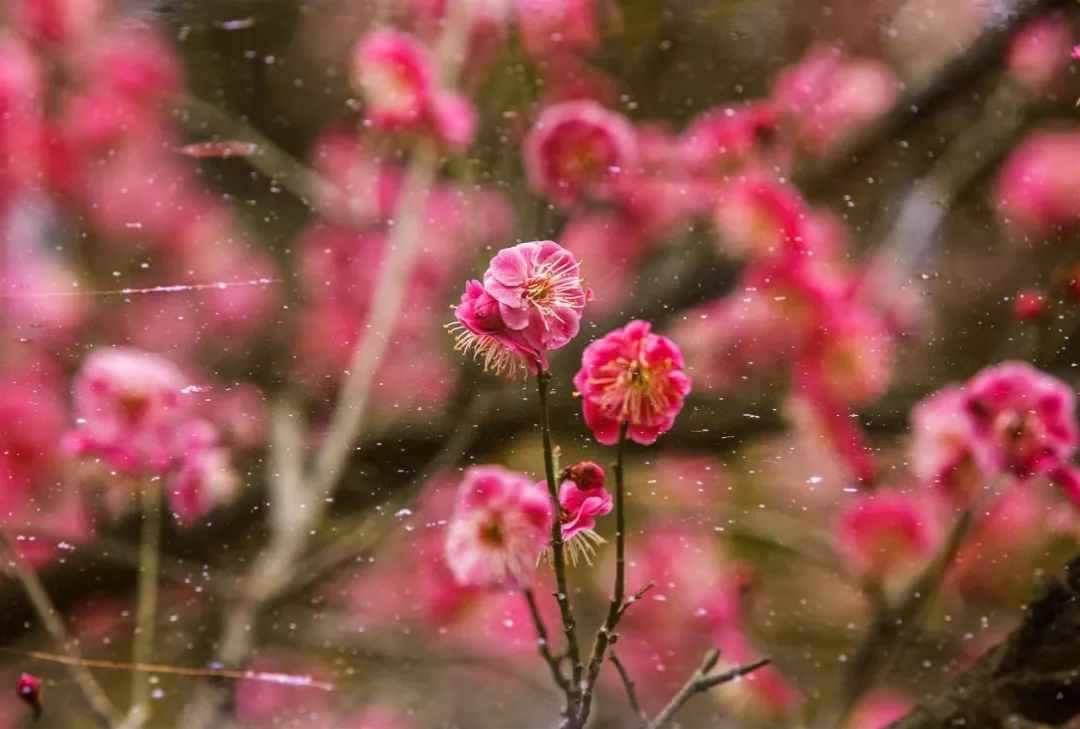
550,28
609,237
132,412
1009,420
1038,54
569,77
395,73
62,22
1075,54
658,196
377,718
1036,189
132,62
31,424
530,301
761,217
632,376
689,478
878,709
1024,420
130,409
828,96
724,141
1031,305
22,123
943,445
852,354
885,534
577,150
263,702
500,525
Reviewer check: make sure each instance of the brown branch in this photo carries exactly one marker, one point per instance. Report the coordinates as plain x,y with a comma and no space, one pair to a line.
1034,673
544,644
700,682
628,685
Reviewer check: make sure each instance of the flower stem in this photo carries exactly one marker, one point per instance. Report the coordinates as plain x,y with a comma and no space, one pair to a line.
605,636
562,594
149,559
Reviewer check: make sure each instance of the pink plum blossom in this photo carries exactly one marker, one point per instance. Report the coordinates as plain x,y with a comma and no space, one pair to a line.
394,71
943,445
1024,420
724,141
878,710
530,301
828,96
1036,189
130,409
582,498
552,27
635,377
501,524
576,150
57,21
885,533
1039,52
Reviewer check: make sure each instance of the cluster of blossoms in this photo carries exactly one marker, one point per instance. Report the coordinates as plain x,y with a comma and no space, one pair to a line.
134,413
983,442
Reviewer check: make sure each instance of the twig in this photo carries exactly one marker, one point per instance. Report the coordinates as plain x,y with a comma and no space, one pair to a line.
562,594
104,712
628,685
544,644
605,636
700,682
149,559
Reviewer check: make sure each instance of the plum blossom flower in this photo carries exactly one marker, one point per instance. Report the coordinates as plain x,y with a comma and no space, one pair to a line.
883,534
500,526
943,447
530,301
582,498
1023,419
635,377
1036,188
394,72
1039,52
129,409
549,27
577,149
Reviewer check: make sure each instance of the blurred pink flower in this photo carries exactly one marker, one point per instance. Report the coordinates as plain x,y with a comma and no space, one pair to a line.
1023,419
453,119
1031,305
394,72
827,96
760,217
552,27
265,703
57,21
1038,187
500,526
129,408
1038,54
204,480
634,376
612,238
131,62
879,709
577,149
885,533
724,141
943,445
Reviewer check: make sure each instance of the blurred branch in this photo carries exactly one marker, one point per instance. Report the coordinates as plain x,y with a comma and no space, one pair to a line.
1033,673
95,697
146,605
544,644
894,623
956,75
700,682
628,686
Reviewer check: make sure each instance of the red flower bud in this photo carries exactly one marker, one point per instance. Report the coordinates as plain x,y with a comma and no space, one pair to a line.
586,475
29,690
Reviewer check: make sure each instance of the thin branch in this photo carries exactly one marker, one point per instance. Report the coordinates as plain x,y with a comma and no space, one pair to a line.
628,685
102,708
700,682
146,607
605,636
544,644
562,592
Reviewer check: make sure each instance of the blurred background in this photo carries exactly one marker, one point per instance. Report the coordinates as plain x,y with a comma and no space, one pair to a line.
206,181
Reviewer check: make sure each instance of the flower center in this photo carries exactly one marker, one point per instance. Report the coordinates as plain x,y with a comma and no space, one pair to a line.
491,534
